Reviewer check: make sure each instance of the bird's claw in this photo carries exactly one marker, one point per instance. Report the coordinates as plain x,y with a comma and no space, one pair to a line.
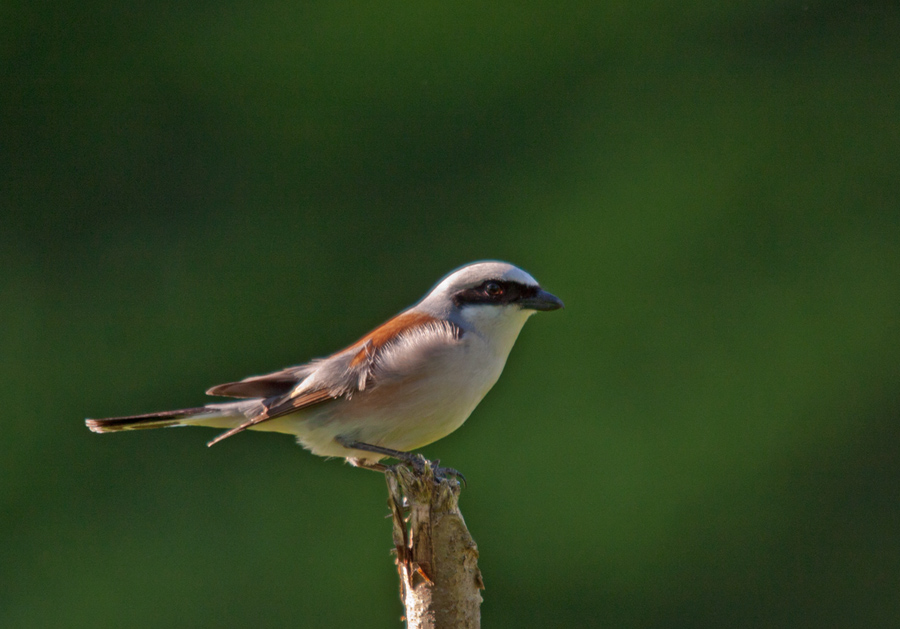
445,472
417,463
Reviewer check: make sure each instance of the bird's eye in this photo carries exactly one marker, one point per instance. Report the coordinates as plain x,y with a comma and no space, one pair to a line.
493,289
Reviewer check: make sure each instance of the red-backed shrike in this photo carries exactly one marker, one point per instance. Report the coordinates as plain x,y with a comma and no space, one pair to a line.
407,383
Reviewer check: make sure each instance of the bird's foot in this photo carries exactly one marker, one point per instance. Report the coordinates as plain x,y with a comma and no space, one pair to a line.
417,463
447,472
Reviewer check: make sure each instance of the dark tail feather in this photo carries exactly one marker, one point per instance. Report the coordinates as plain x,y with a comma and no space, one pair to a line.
139,422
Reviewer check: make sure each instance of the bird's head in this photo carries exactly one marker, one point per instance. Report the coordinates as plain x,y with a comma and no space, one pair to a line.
488,295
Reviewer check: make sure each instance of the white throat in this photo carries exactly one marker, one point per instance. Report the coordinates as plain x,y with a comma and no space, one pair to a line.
498,326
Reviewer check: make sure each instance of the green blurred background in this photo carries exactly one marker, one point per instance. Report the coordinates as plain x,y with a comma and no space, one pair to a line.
707,436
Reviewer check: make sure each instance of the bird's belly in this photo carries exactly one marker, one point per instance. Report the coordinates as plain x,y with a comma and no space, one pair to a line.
401,413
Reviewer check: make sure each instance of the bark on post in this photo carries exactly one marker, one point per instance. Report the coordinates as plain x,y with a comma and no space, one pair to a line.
437,559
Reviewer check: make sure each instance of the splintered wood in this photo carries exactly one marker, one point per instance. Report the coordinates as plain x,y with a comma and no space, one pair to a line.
437,559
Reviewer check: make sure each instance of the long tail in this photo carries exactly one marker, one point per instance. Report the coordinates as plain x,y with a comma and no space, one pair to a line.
150,420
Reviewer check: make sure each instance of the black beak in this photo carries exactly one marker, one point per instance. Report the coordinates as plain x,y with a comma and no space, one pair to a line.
541,301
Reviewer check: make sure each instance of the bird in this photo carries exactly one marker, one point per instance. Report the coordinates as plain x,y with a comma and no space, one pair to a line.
409,382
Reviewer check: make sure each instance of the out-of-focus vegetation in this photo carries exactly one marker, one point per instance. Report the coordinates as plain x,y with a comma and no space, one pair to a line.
707,436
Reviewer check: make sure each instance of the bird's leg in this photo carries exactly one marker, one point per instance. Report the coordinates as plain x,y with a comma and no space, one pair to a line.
415,461
406,457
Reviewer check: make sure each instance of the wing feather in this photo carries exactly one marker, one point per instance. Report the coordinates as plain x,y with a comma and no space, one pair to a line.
268,385
291,405
341,375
